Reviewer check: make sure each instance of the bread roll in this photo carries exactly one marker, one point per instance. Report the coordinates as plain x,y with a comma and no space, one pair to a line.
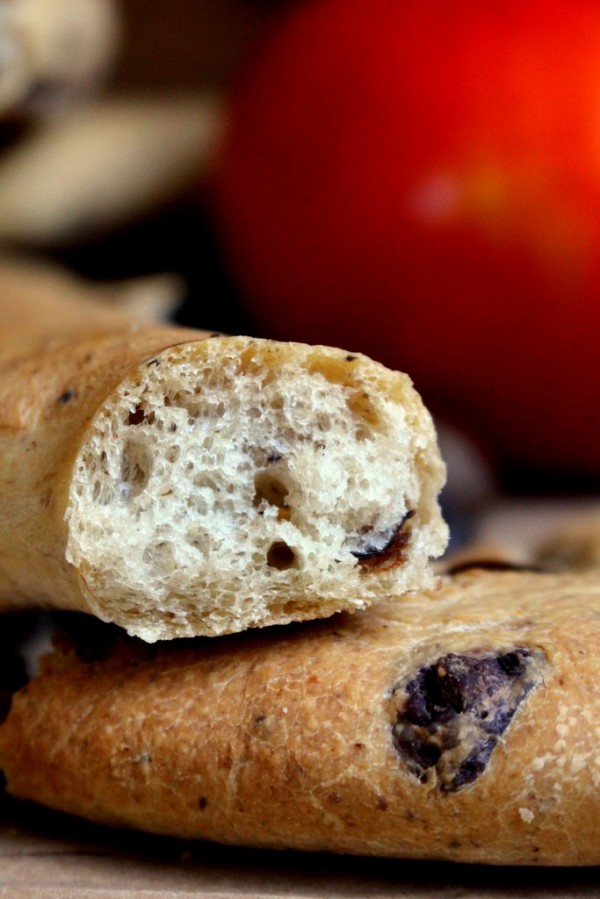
177,485
460,725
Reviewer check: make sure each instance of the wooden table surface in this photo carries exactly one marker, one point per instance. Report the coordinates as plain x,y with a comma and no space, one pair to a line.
46,855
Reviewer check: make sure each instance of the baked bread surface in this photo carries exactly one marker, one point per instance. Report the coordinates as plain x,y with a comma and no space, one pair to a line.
245,482
460,725
178,483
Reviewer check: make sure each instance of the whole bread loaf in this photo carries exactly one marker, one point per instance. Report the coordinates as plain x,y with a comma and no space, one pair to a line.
177,483
460,725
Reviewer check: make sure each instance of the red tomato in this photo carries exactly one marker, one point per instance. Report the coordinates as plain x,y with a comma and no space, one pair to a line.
420,181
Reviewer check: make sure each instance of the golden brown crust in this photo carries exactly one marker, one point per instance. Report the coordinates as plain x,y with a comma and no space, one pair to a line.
459,725
59,360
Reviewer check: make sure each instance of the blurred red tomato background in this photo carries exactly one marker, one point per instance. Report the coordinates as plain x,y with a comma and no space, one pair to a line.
421,182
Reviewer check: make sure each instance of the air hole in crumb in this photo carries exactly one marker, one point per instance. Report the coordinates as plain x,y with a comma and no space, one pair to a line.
135,470
289,607
173,453
196,407
198,540
102,492
160,555
281,556
363,408
333,370
204,479
270,489
197,503
175,398
136,417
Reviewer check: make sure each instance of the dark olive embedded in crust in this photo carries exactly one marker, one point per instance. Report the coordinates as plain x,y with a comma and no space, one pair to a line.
451,714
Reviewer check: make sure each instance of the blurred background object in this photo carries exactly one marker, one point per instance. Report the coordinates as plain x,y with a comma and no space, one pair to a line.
53,52
417,182
49,299
422,182
106,179
186,44
104,166
110,183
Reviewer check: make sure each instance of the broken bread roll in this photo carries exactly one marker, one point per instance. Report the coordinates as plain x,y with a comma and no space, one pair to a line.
460,725
180,486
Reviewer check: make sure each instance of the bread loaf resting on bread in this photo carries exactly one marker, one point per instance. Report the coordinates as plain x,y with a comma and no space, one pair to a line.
459,725
177,484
